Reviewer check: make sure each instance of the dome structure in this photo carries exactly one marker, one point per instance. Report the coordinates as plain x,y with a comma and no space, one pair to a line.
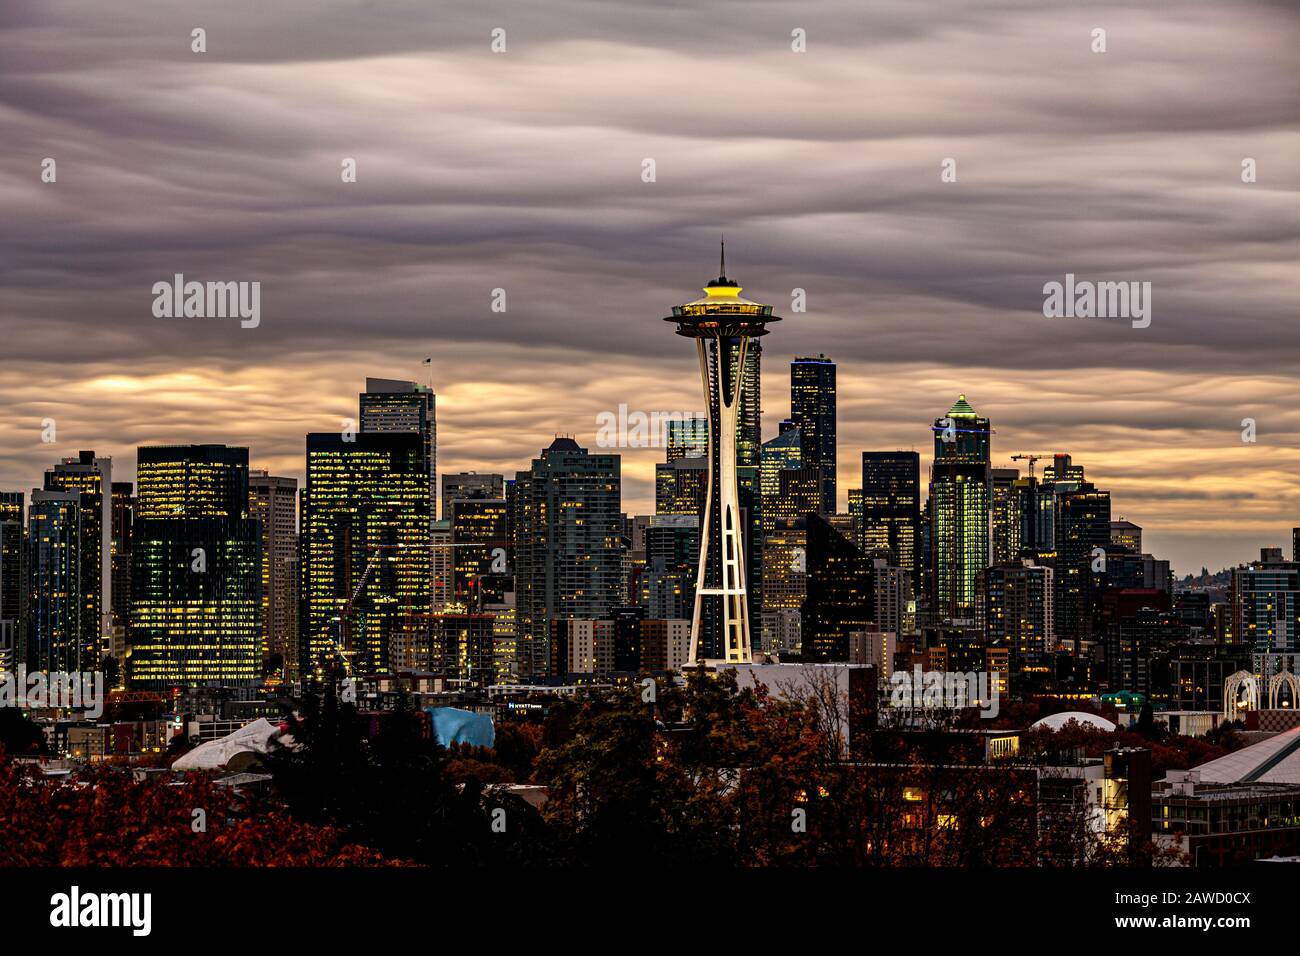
1057,721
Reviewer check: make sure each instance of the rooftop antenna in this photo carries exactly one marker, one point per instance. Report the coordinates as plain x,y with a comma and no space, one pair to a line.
722,265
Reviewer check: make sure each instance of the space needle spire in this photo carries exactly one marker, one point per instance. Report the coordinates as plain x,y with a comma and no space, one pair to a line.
722,324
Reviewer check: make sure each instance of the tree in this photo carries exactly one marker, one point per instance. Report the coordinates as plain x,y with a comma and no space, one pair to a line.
391,790
104,817
19,735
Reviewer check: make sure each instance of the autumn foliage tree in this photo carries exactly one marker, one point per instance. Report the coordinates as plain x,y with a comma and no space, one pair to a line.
397,791
104,817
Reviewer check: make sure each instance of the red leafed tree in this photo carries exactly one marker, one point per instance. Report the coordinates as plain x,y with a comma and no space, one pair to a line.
107,818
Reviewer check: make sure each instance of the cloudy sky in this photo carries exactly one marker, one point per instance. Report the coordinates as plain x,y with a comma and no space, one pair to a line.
522,170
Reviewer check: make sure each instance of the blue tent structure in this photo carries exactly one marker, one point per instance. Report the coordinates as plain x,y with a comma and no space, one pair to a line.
454,726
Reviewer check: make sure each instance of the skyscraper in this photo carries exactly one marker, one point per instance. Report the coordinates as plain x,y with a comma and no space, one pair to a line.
894,602
120,559
812,409
480,551
273,502
840,593
749,414
568,530
688,438
723,325
672,556
395,405
1265,613
1017,609
778,454
798,493
470,486
890,516
195,569
959,511
1082,534
467,643
57,636
1022,503
1005,514
92,477
785,585
1127,535
13,579
682,487
366,561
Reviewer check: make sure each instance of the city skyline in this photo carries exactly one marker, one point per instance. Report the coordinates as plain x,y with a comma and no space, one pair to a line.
218,166
638,494
451,441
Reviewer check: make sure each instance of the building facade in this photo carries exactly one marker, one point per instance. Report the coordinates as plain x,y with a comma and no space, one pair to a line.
812,410
959,511
568,540
195,570
366,554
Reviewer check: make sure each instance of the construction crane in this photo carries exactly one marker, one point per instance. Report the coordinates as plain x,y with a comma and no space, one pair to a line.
378,551
1031,459
340,645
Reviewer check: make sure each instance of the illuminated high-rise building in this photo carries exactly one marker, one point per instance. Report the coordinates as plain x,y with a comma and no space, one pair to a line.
749,413
672,557
1023,504
195,570
959,511
1082,534
1063,471
688,438
92,477
505,640
470,486
1265,613
13,579
440,566
480,551
273,502
798,493
467,641
120,571
840,596
779,454
812,410
889,513
59,635
568,530
894,603
785,585
1017,609
1127,535
724,326
1004,515
366,556
682,486
396,405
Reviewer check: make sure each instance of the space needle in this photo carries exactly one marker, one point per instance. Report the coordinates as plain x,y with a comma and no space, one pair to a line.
722,323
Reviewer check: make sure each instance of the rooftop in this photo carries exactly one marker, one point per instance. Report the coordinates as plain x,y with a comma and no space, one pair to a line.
1275,760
